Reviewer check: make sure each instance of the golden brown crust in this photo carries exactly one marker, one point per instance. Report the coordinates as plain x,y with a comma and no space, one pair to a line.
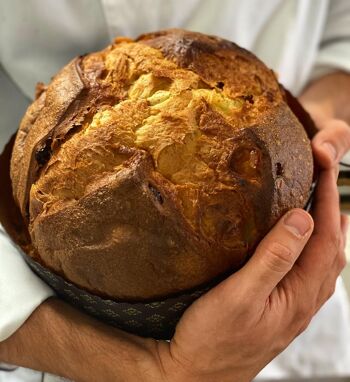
48,110
154,166
219,63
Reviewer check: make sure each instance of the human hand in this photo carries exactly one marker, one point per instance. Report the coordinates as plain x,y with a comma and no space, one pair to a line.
234,330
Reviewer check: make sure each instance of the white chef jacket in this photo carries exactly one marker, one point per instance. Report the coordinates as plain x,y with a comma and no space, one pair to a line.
299,39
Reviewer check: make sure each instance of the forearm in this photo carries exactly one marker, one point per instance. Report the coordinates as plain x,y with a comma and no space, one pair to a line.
60,340
328,97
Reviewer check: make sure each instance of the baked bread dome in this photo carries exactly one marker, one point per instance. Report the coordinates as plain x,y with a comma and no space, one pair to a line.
156,165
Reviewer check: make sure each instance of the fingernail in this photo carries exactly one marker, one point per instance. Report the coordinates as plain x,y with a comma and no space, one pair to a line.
330,149
297,223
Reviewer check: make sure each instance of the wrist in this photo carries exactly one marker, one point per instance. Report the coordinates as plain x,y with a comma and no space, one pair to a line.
62,341
25,346
101,352
109,355
4,358
176,370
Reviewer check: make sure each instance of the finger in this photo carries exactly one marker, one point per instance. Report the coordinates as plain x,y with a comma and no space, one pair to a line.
276,254
344,225
339,264
331,143
328,287
324,243
336,171
325,208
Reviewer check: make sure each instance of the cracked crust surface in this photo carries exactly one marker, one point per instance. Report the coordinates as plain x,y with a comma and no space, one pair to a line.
155,165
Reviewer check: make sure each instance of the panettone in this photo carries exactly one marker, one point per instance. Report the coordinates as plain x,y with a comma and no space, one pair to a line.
156,165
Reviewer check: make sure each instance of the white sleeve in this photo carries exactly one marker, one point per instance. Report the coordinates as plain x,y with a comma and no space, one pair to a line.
21,291
334,50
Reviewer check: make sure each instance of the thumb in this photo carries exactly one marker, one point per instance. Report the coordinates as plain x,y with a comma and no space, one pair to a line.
276,253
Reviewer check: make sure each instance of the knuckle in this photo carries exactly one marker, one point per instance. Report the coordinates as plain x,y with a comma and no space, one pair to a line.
294,330
327,293
334,251
278,257
304,312
303,326
341,261
331,288
334,243
331,291
281,344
